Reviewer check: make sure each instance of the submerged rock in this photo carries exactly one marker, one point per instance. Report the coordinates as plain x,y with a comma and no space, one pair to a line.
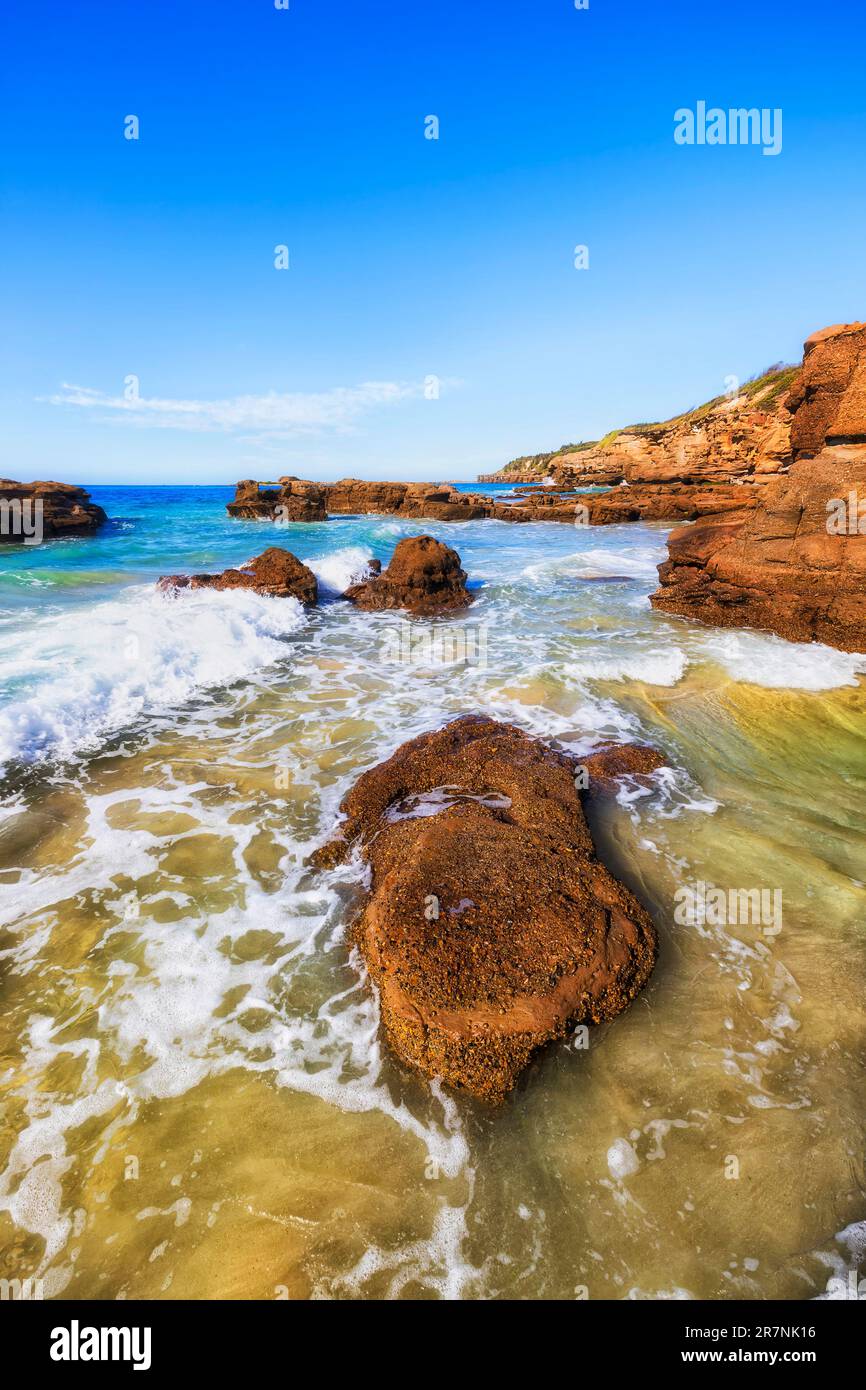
31,512
796,563
424,577
276,572
490,926
606,765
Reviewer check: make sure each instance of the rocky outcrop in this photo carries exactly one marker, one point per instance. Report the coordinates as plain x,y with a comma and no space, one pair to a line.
424,577
828,398
290,499
490,927
295,499
669,502
796,563
30,512
439,502
275,572
676,502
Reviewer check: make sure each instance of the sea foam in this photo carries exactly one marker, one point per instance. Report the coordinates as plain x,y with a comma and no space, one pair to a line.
335,572
77,679
763,659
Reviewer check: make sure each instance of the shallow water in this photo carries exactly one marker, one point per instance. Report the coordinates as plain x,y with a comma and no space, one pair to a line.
195,1102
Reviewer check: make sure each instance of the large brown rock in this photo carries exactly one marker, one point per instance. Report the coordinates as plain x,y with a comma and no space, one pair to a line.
275,572
439,502
490,927
424,577
54,509
788,565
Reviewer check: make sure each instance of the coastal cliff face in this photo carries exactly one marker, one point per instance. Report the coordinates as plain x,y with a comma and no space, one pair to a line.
30,512
794,564
733,441
743,437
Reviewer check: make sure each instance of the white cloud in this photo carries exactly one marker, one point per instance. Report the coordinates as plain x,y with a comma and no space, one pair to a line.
278,413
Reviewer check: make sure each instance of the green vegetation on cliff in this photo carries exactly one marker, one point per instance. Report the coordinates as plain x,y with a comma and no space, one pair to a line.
763,391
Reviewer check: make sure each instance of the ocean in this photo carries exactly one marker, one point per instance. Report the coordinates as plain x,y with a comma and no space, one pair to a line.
197,1102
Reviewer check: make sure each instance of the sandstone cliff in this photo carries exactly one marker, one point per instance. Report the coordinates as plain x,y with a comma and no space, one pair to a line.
795,563
745,436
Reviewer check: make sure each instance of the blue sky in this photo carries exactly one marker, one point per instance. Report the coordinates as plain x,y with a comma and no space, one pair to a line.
409,258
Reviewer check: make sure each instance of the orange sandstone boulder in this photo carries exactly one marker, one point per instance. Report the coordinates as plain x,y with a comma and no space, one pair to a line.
275,572
424,577
490,927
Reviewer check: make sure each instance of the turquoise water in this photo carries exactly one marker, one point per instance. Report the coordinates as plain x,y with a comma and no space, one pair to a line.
71,608
162,530
68,607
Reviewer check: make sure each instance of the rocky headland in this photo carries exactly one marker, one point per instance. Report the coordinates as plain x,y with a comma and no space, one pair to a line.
490,927
795,562
742,436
